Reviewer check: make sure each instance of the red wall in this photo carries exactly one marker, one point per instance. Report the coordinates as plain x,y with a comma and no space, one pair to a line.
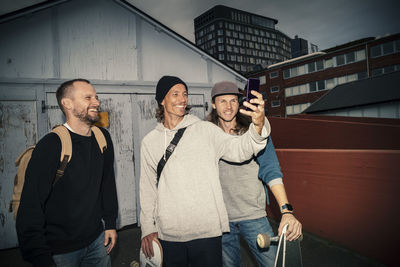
348,194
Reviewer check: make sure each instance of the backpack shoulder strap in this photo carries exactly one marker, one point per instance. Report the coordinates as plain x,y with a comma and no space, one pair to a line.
100,138
66,143
171,147
66,150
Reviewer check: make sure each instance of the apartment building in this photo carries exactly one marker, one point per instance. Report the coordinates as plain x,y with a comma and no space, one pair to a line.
242,40
293,85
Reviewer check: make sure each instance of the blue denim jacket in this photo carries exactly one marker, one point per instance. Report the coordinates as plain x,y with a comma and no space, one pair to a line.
269,165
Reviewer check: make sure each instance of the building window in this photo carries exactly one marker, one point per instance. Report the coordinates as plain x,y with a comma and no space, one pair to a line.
342,79
262,79
295,90
293,72
376,72
312,86
288,92
387,48
273,74
301,70
360,55
275,103
303,89
330,83
221,57
286,73
274,89
311,67
376,51
340,60
362,75
321,85
350,57
388,69
328,63
289,110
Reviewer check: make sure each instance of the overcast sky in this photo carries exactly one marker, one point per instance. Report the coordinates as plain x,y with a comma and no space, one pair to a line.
325,23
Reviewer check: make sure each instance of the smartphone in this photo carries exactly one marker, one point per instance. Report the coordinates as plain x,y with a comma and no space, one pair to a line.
252,84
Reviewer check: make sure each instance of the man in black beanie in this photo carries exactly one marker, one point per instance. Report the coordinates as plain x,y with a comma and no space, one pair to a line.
184,206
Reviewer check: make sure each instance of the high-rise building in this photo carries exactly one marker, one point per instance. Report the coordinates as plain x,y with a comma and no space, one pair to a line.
299,47
240,39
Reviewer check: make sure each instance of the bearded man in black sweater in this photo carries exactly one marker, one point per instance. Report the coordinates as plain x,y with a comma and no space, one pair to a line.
72,223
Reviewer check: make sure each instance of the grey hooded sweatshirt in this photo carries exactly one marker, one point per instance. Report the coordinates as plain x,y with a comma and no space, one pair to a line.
188,204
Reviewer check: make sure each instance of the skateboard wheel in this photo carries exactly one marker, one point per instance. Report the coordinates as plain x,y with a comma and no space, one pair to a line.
263,240
134,264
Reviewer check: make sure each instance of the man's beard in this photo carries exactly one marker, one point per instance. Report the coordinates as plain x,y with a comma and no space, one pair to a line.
86,118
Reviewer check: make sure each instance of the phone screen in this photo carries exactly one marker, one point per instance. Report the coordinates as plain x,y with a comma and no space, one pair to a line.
252,84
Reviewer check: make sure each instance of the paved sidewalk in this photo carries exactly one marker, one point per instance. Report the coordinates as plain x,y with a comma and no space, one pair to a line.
316,252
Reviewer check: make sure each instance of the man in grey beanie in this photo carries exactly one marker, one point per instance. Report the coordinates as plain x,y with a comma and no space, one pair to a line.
184,209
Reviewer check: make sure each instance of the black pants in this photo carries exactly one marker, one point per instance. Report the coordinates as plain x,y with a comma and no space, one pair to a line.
205,252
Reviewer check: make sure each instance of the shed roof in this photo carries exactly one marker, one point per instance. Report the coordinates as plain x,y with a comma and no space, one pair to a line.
161,27
384,88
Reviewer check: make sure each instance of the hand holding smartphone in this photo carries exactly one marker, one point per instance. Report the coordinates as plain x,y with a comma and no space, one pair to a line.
252,84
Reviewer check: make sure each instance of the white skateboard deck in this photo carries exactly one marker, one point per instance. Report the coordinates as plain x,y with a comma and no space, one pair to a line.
156,260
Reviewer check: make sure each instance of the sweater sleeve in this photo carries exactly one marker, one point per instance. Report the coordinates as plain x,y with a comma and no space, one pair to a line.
147,192
30,224
269,164
241,148
108,190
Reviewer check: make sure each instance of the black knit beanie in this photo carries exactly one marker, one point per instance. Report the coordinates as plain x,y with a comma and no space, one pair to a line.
165,84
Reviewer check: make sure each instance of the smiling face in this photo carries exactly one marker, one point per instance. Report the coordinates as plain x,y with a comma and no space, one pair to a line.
83,103
175,102
226,106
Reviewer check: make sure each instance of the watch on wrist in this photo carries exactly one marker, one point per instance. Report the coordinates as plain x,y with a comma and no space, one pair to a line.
287,206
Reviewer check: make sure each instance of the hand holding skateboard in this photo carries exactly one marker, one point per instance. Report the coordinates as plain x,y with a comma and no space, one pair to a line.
150,252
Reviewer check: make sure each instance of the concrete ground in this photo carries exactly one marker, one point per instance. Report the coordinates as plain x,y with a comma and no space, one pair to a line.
316,252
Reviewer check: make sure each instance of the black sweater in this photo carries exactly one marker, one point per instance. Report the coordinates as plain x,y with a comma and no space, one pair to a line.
67,216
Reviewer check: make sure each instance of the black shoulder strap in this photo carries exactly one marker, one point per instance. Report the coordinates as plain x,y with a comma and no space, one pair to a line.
168,152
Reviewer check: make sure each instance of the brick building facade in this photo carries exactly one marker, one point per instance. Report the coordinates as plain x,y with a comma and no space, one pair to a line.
293,85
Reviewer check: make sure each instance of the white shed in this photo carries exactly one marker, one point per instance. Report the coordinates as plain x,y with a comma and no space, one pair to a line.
122,51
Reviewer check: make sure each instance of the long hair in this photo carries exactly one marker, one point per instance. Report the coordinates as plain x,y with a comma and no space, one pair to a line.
160,112
242,121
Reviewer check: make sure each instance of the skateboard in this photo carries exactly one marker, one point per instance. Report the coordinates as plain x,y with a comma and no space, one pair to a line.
289,255
155,261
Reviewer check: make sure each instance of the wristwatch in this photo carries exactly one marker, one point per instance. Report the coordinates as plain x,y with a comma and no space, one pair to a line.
287,206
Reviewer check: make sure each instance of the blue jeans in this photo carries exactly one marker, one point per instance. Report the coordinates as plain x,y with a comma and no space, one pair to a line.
93,255
249,229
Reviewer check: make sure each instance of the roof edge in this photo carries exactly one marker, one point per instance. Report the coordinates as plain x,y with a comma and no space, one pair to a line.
30,9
